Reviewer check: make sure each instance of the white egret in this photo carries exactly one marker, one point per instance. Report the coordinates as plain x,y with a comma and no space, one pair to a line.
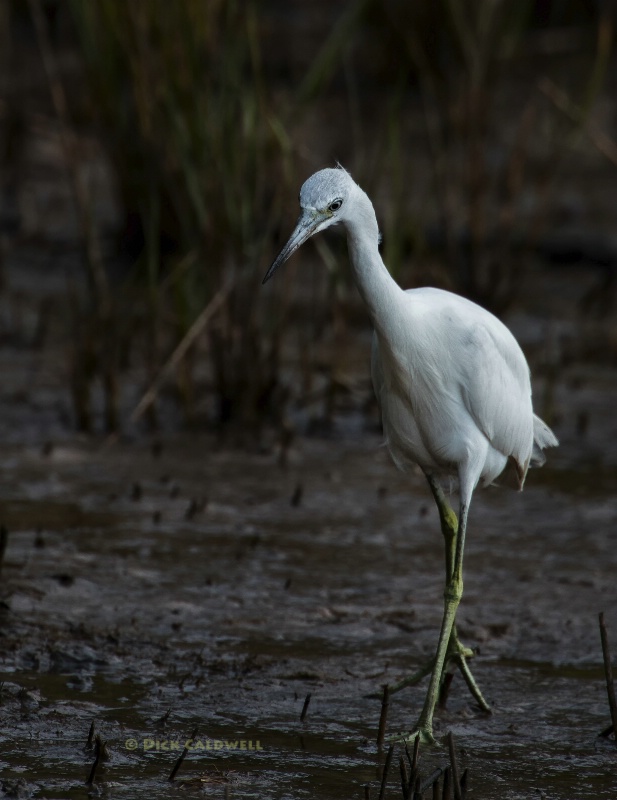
452,384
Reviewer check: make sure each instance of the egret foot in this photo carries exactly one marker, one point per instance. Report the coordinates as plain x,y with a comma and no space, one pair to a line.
425,733
457,655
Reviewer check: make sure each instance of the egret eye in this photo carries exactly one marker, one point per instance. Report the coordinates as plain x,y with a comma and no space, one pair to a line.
335,205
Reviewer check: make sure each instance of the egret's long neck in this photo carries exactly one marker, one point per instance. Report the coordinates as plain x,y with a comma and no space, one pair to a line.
379,290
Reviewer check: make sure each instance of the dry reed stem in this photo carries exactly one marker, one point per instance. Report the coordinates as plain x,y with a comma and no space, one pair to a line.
599,138
608,671
80,192
183,754
178,354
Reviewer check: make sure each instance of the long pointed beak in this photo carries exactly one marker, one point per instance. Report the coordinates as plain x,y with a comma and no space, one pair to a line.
305,228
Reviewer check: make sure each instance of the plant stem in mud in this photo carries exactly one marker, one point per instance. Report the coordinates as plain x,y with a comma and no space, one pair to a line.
608,671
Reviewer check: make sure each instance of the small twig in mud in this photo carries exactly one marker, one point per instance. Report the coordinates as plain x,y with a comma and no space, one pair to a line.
386,769
47,449
101,747
286,438
367,791
4,540
296,497
445,794
404,778
90,737
385,702
455,774
100,754
432,782
464,778
307,700
408,793
413,781
606,732
608,671
416,751
90,778
162,722
178,763
196,506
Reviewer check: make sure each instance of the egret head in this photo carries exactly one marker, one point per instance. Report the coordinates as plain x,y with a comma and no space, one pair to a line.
324,200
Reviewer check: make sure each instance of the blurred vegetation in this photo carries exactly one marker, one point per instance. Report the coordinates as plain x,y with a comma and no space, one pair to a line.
488,161
203,137
199,155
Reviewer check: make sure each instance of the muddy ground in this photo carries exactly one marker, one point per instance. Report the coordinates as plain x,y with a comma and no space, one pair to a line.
155,587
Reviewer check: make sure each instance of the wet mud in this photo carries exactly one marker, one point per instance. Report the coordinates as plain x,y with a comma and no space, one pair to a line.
155,591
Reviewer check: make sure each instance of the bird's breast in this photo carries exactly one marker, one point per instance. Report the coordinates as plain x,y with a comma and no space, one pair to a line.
424,414
418,415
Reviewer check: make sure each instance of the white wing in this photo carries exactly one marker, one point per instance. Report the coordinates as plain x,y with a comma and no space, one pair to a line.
496,388
459,366
376,372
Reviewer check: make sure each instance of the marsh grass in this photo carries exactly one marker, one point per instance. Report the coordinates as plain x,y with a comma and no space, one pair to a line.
178,93
494,168
204,156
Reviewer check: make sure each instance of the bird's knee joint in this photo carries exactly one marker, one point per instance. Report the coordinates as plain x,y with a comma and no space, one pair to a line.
453,592
451,521
449,533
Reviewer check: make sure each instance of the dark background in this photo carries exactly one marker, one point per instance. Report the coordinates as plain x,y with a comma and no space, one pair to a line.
152,154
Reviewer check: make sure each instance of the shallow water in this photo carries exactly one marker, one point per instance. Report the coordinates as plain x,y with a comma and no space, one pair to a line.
213,585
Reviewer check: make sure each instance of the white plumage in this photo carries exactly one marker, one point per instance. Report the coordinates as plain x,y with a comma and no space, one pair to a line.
456,391
452,384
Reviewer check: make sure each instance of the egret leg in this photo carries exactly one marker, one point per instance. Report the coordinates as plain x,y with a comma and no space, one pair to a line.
449,647
452,596
456,652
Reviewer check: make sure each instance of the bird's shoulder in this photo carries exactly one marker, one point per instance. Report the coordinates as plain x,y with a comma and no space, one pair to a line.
471,332
481,357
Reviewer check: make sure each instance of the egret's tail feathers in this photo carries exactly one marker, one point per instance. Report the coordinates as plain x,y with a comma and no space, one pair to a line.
543,437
